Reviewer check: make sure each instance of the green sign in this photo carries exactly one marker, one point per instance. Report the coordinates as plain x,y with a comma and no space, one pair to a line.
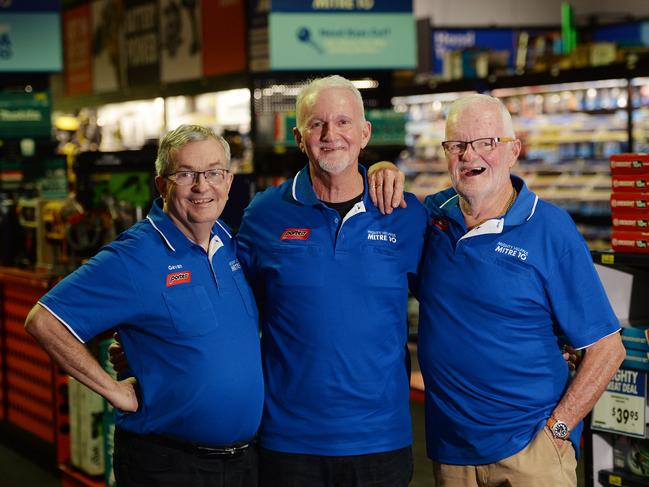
25,114
323,41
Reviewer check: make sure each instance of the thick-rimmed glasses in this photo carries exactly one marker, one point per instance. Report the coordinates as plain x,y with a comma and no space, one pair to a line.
186,178
481,146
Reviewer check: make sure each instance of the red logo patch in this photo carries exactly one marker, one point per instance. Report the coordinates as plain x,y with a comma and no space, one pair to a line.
178,278
441,223
296,234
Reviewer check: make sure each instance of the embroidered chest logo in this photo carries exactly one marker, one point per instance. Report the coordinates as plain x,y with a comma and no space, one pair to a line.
296,234
234,265
441,223
506,249
178,278
382,236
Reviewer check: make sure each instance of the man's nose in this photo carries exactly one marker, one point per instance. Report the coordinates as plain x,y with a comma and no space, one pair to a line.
327,132
465,155
200,181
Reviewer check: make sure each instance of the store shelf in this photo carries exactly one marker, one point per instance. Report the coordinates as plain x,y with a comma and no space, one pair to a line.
610,258
621,479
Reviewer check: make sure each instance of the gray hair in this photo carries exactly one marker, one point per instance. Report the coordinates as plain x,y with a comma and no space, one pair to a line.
180,137
459,105
313,87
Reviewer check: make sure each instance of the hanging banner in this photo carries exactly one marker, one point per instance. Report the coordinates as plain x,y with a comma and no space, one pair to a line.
25,114
30,36
77,54
141,42
224,28
180,40
347,34
108,54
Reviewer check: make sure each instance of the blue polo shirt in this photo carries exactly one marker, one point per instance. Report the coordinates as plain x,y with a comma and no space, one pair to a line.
188,323
334,318
495,303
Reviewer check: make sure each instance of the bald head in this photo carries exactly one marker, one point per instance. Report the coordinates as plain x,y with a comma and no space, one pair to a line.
481,103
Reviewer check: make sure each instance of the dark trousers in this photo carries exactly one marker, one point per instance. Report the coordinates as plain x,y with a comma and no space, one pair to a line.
140,462
389,469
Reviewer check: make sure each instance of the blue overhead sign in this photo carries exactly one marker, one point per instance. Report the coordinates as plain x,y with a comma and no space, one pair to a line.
30,36
348,34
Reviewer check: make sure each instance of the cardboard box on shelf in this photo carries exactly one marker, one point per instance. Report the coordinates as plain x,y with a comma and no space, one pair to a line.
629,163
630,182
633,242
636,360
636,203
635,337
631,455
631,222
86,439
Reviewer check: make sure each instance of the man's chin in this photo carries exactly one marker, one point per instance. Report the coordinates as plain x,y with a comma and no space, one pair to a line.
333,167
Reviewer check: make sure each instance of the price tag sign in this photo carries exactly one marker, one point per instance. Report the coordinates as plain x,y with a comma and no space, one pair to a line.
621,409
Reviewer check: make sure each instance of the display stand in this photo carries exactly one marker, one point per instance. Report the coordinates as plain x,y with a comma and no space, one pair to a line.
626,280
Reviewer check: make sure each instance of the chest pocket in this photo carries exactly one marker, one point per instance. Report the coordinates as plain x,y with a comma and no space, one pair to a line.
380,267
297,265
190,310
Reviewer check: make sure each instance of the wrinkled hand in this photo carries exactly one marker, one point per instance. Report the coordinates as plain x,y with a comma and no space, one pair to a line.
386,186
571,356
126,395
117,357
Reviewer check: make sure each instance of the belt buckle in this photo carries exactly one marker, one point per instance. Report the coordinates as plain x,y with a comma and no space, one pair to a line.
221,452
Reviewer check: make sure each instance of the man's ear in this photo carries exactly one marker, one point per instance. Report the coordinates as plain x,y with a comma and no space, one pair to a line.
161,185
298,138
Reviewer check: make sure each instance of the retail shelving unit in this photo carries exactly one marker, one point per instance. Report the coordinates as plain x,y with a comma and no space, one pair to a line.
569,123
33,388
626,280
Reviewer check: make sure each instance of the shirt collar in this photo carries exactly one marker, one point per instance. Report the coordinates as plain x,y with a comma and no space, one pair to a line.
171,234
522,210
302,188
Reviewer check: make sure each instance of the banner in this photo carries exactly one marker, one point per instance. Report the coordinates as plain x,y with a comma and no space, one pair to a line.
77,59
30,36
360,34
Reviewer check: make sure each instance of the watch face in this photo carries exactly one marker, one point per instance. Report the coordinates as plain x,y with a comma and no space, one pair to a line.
560,430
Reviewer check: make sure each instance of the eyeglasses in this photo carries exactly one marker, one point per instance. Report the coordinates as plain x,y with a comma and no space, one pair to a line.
481,146
186,178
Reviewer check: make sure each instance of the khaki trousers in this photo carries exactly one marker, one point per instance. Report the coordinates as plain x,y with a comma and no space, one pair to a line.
539,464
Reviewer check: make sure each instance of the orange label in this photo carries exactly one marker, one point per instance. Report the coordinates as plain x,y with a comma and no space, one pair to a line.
296,234
178,278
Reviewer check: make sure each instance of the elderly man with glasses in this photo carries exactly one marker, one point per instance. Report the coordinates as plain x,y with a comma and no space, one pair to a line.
504,278
173,288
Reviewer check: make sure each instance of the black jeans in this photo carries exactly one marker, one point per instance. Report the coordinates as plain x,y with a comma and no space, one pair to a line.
139,462
389,469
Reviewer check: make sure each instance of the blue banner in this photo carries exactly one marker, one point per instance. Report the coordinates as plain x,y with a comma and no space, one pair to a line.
342,6
29,6
447,40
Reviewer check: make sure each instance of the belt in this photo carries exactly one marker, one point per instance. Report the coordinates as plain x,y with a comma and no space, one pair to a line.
198,449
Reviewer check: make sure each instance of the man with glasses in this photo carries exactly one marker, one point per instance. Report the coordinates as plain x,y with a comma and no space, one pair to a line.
504,278
173,288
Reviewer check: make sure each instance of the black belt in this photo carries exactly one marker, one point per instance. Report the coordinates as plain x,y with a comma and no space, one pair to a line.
191,447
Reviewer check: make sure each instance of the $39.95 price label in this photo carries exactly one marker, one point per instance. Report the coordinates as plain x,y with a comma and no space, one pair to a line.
621,409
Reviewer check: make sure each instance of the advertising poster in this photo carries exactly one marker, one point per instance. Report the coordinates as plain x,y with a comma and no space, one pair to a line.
141,37
361,34
77,45
180,40
224,48
107,41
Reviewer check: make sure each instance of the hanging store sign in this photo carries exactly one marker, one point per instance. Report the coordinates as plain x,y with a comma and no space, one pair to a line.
141,41
621,409
30,36
181,44
224,27
347,34
25,114
77,50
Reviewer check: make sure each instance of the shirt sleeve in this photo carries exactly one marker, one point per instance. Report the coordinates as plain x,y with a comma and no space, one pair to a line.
96,297
579,303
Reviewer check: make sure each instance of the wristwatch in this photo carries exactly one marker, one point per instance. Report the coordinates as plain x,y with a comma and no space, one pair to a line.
559,428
